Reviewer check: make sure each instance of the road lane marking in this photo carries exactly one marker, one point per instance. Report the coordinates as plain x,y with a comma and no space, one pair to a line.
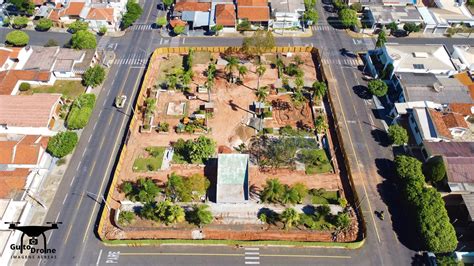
252,248
98,258
252,253
357,159
64,199
252,262
233,255
57,217
252,258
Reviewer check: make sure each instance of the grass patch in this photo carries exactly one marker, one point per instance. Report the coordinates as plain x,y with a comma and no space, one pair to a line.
325,197
178,158
166,66
201,57
152,162
316,161
68,88
81,111
154,242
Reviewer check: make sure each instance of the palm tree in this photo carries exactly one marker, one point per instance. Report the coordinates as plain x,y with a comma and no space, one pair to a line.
211,76
319,89
290,217
262,94
172,81
147,190
242,72
260,71
174,214
289,196
232,64
272,191
280,66
148,211
200,215
298,97
298,61
299,82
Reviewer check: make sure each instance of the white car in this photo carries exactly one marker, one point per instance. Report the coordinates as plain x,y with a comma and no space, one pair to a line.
120,101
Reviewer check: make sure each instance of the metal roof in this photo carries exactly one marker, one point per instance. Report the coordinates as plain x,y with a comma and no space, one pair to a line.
232,178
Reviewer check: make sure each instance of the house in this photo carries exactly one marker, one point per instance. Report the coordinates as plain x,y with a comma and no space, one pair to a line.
467,79
225,15
14,57
286,14
378,16
440,15
23,152
257,12
463,57
232,178
29,114
99,17
11,210
196,14
10,80
396,58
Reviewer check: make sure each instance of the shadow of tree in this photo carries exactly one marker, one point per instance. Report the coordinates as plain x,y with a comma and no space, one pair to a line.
362,92
381,137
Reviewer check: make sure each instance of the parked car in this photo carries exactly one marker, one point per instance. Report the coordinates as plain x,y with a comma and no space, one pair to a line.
120,101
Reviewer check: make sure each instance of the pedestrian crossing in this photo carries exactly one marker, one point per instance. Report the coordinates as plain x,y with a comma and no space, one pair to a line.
343,62
323,28
132,59
252,256
141,27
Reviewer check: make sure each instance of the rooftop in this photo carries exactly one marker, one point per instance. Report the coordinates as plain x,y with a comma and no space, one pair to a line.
387,14
73,9
443,122
10,78
42,58
26,150
27,110
225,14
287,6
12,181
232,178
418,58
465,54
429,87
192,6
106,14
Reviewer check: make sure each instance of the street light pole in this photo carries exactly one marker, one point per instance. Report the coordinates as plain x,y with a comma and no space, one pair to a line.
102,197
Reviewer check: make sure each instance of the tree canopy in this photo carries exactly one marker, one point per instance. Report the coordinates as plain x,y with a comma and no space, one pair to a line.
348,17
260,42
186,188
20,22
434,169
179,29
200,215
161,21
134,11
62,144
381,39
83,40
398,135
93,76
78,26
17,38
44,24
195,151
26,6
143,190
411,27
377,87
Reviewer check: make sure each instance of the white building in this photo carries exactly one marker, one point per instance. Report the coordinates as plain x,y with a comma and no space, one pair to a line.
286,14
463,57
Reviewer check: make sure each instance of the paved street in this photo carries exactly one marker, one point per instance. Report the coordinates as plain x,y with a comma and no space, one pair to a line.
77,202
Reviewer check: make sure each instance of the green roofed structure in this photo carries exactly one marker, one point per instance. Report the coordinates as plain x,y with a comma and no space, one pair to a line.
232,178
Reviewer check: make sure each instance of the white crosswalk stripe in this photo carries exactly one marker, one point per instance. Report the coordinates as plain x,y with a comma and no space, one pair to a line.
252,255
141,27
132,59
323,27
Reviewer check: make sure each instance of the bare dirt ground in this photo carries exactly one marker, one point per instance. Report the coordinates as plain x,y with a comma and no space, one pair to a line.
286,113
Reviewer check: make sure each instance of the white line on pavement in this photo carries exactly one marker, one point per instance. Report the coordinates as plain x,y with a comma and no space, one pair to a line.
252,258
98,258
252,253
252,248
252,262
64,200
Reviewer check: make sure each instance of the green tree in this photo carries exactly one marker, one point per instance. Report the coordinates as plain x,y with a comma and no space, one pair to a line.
168,3
83,40
411,27
319,89
6,21
78,26
289,196
146,189
408,167
168,213
217,28
261,41
377,87
434,169
62,144
262,94
298,97
134,11
26,6
80,111
20,22
272,191
310,15
339,4
381,39
200,215
93,76
280,66
24,86
290,217
392,26
357,7
197,150
342,221
309,4
231,66
161,21
242,72
102,30
148,211
299,83
320,125
44,24
127,188
348,17
398,135
179,29
17,38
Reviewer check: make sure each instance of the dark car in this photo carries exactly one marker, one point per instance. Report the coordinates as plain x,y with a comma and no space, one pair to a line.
429,259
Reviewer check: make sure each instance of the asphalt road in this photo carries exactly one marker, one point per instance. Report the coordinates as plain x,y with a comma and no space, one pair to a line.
77,203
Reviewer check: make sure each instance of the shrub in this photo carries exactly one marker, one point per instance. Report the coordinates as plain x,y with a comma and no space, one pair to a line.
20,22
195,151
348,17
77,26
62,144
199,215
357,7
434,169
161,21
126,218
83,40
25,86
134,11
397,134
44,24
179,29
17,38
93,76
186,188
377,87
81,111
102,30
268,130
